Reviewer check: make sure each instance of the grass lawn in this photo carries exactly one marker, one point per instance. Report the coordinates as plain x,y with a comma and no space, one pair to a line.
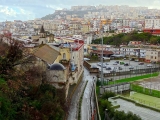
146,99
147,91
134,78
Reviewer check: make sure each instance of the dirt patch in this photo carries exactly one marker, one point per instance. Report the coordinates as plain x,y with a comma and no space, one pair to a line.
153,83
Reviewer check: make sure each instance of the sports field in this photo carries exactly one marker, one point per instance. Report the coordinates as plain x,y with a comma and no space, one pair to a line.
146,99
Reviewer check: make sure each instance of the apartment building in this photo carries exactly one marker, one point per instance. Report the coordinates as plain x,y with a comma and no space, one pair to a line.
152,55
152,25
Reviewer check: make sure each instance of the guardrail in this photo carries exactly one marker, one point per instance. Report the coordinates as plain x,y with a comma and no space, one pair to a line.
96,111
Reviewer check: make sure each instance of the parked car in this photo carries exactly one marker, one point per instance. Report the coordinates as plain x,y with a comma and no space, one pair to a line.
121,63
126,64
136,60
99,64
117,62
104,65
119,68
132,59
86,59
106,58
153,62
141,63
114,63
131,67
113,70
108,68
94,66
107,63
149,65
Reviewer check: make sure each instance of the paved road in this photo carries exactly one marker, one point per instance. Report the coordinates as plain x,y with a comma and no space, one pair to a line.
87,107
73,111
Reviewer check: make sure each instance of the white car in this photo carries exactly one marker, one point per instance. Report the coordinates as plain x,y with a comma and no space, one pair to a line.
99,64
106,58
86,59
149,65
94,66
131,67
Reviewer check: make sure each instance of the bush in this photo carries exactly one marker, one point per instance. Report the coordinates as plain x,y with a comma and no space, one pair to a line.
107,95
112,112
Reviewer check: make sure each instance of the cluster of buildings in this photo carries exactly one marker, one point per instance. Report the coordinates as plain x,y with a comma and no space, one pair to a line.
66,38
135,49
85,19
63,58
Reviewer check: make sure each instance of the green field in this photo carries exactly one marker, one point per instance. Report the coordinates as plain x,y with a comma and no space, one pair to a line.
147,91
134,78
146,99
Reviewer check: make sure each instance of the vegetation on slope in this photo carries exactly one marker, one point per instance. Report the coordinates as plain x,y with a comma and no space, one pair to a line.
24,91
124,39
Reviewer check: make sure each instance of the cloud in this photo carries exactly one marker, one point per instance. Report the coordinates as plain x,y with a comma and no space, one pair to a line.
8,11
15,13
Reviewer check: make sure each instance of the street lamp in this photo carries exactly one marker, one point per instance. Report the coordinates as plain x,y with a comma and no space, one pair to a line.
102,56
129,56
151,81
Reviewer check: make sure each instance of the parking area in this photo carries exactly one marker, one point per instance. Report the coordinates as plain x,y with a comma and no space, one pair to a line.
121,65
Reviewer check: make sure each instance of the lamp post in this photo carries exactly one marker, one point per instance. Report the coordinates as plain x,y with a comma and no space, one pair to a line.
102,57
129,56
151,82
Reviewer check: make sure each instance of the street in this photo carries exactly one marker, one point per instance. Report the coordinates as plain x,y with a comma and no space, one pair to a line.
87,107
73,111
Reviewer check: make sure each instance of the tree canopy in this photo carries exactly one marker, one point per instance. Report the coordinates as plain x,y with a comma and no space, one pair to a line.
125,38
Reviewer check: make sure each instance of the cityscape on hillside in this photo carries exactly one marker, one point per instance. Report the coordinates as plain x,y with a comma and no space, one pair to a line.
83,63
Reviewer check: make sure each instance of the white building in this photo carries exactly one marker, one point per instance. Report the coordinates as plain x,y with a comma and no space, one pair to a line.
152,22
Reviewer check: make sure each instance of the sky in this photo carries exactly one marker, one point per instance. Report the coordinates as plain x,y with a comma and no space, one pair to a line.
30,9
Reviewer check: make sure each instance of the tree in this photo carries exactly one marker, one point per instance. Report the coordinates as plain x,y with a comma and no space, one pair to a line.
23,95
153,40
12,54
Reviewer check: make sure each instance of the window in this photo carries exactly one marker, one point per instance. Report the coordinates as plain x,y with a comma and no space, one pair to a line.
155,58
64,55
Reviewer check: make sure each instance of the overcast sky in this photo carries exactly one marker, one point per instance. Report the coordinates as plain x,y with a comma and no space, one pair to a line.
31,9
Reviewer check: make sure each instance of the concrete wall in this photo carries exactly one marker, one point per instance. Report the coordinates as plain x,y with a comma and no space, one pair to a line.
115,88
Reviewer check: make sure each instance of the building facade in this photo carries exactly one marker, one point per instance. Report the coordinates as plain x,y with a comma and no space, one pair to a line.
152,55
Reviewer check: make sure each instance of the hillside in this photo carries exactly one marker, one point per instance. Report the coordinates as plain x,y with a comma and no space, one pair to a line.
63,13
